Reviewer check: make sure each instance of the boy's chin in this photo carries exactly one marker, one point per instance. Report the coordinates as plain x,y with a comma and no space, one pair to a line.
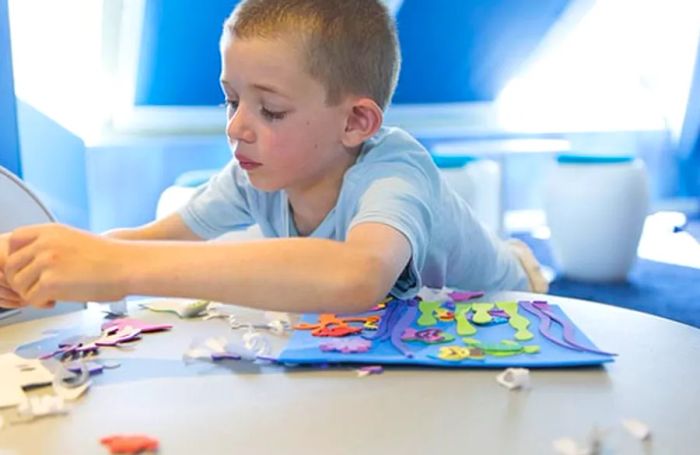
262,185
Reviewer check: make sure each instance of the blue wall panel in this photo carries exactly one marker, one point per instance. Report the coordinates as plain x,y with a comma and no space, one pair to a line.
453,51
179,62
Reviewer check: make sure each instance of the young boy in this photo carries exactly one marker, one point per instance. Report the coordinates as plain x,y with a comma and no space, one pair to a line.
357,210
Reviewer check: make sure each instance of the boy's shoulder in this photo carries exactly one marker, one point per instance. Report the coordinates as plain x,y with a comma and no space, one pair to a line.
393,145
394,152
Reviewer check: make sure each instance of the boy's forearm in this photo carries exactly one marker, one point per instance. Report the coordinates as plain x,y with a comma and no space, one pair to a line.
286,274
169,228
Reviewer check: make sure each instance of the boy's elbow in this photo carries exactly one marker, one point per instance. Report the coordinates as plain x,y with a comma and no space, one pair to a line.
364,285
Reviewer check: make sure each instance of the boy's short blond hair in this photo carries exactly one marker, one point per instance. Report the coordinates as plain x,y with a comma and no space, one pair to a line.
351,46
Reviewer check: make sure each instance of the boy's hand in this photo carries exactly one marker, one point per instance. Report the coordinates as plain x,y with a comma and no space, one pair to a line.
51,262
8,297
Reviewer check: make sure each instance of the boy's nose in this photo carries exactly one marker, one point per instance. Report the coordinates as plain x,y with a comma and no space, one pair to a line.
238,129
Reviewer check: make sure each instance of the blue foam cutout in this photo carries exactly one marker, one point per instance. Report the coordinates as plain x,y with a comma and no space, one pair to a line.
303,348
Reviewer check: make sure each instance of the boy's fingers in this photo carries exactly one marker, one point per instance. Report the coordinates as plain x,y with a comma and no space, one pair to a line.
16,263
20,238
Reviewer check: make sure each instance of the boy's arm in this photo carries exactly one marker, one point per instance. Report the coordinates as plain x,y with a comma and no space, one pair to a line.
169,228
301,274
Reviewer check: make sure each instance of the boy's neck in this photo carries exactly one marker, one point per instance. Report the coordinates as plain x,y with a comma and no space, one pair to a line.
311,205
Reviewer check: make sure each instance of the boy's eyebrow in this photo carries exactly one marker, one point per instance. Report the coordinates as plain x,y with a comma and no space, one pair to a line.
261,87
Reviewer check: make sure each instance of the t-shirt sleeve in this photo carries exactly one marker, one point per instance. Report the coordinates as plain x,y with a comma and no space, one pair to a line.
221,205
404,204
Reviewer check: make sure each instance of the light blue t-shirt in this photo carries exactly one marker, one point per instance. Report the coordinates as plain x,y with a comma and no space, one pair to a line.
394,182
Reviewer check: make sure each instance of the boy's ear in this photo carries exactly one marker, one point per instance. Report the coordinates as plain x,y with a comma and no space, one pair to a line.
363,120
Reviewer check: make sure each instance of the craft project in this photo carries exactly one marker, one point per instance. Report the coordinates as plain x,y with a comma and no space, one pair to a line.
412,332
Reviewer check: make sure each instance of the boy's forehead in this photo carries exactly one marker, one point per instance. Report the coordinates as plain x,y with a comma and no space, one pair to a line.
273,65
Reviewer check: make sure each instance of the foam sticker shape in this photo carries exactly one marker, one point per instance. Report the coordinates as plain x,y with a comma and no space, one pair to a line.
569,332
481,313
183,308
459,353
427,336
503,348
398,316
461,296
115,336
445,315
544,327
516,320
428,310
130,444
464,327
331,325
349,345
143,326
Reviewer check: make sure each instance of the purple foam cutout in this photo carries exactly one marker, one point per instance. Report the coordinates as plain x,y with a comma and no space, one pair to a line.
218,356
569,333
545,322
499,313
409,315
386,322
461,296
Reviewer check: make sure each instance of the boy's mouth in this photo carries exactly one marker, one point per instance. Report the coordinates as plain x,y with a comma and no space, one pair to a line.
246,163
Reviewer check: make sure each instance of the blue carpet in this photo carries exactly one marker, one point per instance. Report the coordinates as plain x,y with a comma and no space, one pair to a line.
657,288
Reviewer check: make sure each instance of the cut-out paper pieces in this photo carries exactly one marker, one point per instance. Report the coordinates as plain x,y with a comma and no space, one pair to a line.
502,348
144,327
347,345
427,336
459,353
254,346
16,374
428,312
637,428
464,327
461,296
514,378
381,305
516,320
130,444
369,370
41,406
544,312
398,316
183,308
330,325
481,313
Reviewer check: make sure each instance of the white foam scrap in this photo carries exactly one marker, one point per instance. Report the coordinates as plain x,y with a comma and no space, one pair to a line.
40,406
567,446
514,378
637,428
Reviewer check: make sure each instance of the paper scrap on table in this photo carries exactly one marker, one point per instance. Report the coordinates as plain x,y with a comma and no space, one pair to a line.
183,308
637,428
514,378
17,373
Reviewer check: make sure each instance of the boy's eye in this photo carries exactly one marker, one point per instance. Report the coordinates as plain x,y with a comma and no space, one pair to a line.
231,104
271,115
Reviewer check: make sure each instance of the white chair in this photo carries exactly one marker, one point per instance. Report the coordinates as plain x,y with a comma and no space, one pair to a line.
20,207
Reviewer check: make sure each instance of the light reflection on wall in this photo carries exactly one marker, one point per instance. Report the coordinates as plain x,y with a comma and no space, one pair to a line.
610,65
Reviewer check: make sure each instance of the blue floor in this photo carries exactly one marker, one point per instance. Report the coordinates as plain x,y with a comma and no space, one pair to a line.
661,289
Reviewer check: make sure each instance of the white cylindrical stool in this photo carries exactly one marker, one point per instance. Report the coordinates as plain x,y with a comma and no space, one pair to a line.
478,182
595,208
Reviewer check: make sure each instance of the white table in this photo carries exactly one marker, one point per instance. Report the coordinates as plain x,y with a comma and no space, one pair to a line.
244,408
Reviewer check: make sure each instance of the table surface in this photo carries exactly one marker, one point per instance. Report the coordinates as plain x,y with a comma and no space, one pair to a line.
241,407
